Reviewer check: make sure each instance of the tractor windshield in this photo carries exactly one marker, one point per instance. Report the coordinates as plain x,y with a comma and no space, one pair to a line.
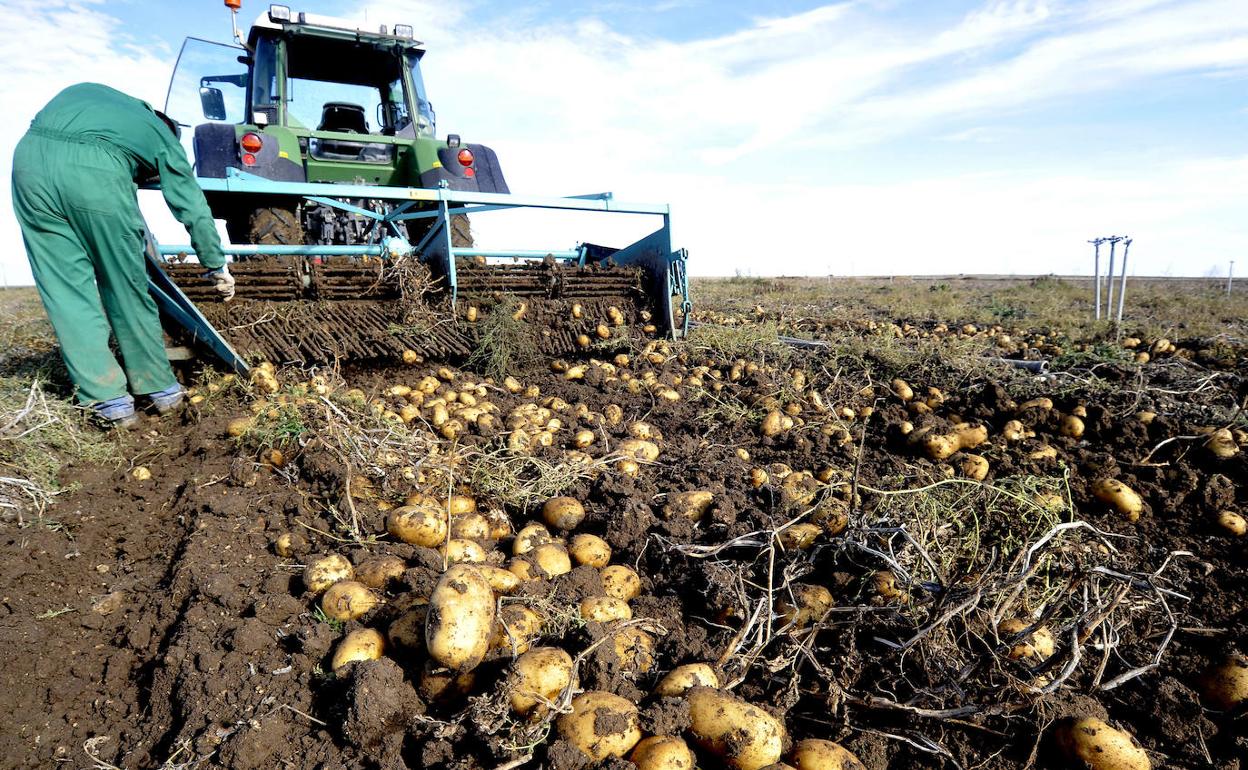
348,87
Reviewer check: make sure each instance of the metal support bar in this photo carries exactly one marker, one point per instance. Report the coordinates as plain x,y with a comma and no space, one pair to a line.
283,250
1096,271
1122,283
1109,277
348,207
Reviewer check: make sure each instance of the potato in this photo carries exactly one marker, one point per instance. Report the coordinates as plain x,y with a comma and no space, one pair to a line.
887,586
529,537
902,389
639,450
290,544
1042,403
1232,523
552,558
1120,496
377,571
424,525
461,551
601,725
1100,747
444,685
621,582
361,644
471,526
500,524
772,424
563,512
408,630
974,467
662,752
1038,644
348,600
800,536
516,628
681,678
1015,431
690,505
538,677
590,550
1072,426
238,426
808,604
742,734
832,515
500,580
461,618
634,648
1225,685
324,572
604,609
1221,444
816,754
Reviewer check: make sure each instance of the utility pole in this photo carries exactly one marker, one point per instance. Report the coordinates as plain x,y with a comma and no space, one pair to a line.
1230,274
1109,275
1096,272
1122,283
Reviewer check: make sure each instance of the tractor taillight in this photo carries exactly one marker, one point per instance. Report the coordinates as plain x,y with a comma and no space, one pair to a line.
251,142
233,5
465,157
249,159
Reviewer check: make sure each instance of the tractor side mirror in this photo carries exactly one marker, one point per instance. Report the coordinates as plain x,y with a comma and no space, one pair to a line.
213,102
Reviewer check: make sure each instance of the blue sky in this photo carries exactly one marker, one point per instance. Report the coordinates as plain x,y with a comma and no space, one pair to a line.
887,137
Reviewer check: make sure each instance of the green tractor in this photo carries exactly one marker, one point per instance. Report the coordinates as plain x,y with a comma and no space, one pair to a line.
314,141
308,118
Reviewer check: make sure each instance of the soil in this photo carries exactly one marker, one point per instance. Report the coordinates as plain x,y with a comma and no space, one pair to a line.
153,622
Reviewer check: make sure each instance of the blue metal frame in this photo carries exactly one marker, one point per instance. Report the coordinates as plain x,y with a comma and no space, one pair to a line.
665,268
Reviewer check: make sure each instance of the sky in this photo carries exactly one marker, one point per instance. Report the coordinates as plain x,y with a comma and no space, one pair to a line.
870,137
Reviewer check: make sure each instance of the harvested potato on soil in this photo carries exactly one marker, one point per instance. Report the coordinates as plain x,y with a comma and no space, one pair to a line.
538,677
1037,644
1101,747
1120,496
681,678
1232,523
377,571
808,603
589,550
634,648
563,512
1225,685
621,582
529,537
816,754
691,505
324,572
348,600
361,644
601,725
552,558
1221,444
423,525
740,733
461,618
516,629
290,544
604,609
662,752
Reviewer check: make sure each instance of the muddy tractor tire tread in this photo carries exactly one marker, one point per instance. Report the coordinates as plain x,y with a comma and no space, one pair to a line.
275,225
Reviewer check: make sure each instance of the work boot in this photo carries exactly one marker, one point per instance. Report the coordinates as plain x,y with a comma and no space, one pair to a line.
117,412
165,401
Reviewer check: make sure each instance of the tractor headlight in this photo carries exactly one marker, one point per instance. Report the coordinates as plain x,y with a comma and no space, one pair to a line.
279,13
404,30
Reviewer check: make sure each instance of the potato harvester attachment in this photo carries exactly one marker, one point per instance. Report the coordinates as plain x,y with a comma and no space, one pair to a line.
385,297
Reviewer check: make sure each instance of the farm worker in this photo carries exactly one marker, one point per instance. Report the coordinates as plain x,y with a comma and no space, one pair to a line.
74,194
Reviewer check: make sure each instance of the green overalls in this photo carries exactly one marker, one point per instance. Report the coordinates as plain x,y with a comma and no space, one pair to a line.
74,194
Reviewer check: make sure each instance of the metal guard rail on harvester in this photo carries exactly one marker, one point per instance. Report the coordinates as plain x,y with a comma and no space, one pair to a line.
664,266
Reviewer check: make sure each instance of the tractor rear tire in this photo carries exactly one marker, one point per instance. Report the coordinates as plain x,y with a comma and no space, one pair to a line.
275,225
461,231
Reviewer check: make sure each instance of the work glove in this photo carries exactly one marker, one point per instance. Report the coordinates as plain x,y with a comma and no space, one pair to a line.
223,282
